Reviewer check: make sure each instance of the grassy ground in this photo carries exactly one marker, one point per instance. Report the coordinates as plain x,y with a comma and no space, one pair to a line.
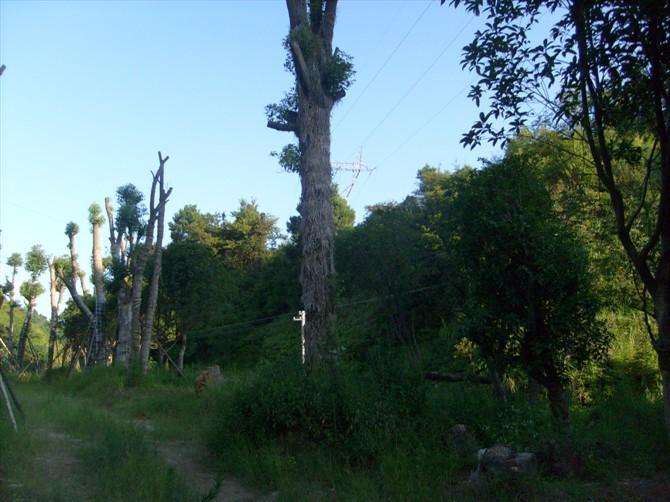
369,432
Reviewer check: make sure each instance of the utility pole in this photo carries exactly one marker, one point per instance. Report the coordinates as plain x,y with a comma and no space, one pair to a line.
302,319
356,167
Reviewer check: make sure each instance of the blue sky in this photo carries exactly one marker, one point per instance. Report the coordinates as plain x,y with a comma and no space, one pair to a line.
93,89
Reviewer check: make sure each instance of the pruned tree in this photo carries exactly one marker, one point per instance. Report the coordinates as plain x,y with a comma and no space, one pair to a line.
56,294
158,212
608,61
97,352
125,229
15,261
322,76
131,242
35,263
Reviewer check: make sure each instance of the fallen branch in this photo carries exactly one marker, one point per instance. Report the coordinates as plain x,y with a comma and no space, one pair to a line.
439,376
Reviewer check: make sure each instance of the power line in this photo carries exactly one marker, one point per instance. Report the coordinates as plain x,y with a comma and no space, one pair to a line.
216,330
421,127
416,82
367,86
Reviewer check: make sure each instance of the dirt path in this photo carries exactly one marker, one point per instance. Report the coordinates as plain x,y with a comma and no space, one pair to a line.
56,464
195,465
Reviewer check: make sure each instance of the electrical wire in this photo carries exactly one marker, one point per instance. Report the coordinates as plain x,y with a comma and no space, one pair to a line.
416,82
216,331
381,68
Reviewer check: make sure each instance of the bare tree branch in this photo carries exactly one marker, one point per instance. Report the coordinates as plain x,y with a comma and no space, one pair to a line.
282,126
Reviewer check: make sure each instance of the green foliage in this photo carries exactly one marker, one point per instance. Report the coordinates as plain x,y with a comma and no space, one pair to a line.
521,262
130,213
71,229
95,216
35,262
249,235
338,74
31,290
15,260
347,411
289,158
189,224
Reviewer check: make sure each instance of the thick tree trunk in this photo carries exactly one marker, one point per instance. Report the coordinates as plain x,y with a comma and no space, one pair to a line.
317,273
23,336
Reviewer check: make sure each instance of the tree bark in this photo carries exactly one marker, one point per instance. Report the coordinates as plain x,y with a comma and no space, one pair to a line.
98,353
317,271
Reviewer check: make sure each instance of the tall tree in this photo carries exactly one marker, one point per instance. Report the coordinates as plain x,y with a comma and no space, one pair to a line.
610,61
35,263
15,261
152,299
97,353
142,255
322,76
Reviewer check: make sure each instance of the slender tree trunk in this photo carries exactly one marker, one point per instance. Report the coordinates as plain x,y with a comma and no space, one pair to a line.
182,351
53,321
155,277
23,336
74,258
98,353
12,306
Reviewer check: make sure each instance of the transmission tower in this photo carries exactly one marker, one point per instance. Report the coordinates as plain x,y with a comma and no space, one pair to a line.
356,167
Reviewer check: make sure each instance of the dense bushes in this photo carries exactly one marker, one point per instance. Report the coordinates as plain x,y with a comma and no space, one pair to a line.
343,408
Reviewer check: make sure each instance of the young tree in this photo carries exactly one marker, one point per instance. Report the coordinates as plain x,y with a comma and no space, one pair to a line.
56,293
15,261
322,75
35,264
527,297
609,59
